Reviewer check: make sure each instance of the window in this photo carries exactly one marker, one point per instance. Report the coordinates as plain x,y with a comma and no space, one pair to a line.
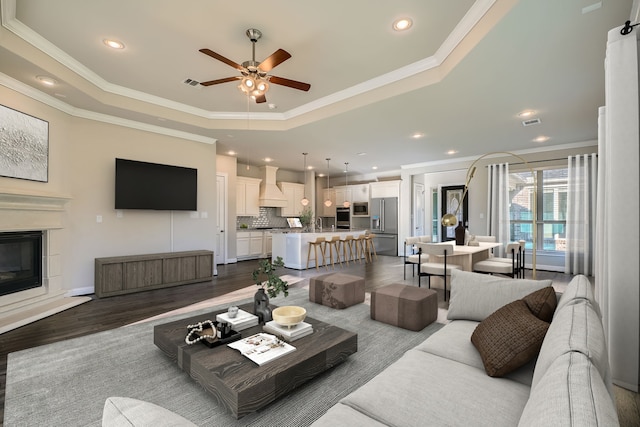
551,206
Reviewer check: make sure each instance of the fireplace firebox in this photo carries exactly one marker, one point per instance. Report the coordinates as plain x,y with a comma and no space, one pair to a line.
20,261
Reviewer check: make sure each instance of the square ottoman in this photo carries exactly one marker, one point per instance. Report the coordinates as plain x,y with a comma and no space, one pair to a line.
404,306
336,290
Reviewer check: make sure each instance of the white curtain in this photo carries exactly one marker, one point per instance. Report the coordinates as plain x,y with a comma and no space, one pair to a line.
581,213
498,207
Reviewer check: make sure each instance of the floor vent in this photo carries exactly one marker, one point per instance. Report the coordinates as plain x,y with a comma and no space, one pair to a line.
191,82
531,122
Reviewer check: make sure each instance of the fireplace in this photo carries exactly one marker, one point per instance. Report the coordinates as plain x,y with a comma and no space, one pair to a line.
20,261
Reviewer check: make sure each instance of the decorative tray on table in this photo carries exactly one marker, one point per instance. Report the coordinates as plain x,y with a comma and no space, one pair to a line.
207,333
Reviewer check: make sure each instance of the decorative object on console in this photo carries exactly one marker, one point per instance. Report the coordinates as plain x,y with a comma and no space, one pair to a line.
242,321
261,306
451,219
473,241
288,333
24,147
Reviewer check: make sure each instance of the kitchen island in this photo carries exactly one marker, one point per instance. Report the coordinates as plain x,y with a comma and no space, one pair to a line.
293,247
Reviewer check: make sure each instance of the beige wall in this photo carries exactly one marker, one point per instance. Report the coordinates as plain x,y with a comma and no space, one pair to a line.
82,166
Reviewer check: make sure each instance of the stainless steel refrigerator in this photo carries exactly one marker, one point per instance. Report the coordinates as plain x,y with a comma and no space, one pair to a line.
384,224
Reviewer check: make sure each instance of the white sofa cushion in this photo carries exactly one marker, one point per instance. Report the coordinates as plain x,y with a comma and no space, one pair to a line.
453,342
127,412
575,327
571,393
475,296
423,389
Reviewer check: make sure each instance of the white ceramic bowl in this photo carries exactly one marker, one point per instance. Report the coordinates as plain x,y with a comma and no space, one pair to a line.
288,315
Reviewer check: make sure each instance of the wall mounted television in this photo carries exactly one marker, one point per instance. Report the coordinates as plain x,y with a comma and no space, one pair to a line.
142,185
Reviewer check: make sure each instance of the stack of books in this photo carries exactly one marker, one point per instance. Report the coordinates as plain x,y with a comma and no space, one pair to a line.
243,320
262,348
292,333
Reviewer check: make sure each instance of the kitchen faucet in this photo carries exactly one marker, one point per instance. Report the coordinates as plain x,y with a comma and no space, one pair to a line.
319,223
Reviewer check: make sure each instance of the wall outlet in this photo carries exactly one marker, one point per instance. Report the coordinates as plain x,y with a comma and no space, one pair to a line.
98,219
204,215
119,214
194,215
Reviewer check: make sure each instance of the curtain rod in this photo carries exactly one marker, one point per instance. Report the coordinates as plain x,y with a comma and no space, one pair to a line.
545,160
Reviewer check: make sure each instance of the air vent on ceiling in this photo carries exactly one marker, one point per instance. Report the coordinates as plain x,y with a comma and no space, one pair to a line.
191,82
530,122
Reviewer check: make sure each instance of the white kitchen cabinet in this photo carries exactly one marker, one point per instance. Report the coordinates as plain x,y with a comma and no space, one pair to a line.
247,194
250,244
268,243
294,193
385,189
343,193
360,193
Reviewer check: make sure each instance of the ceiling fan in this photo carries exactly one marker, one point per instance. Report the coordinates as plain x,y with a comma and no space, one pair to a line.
254,78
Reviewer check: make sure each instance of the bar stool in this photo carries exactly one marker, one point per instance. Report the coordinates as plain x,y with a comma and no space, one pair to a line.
361,248
369,246
332,244
320,241
347,243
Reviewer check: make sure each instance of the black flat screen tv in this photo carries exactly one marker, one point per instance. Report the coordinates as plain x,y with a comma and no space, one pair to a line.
142,185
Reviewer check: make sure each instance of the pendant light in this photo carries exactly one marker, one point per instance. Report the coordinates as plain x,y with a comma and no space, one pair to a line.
305,201
328,202
346,203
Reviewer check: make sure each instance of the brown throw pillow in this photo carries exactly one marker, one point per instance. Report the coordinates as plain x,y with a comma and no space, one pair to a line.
509,338
542,303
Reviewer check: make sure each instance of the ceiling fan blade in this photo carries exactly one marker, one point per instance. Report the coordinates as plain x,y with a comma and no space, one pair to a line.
276,58
216,82
222,58
260,99
290,83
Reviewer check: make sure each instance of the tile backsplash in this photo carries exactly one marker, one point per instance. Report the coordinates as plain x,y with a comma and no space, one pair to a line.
268,218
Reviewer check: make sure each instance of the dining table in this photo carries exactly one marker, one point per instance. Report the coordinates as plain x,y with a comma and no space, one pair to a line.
463,255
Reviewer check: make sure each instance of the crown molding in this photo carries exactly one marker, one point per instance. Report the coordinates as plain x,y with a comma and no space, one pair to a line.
42,97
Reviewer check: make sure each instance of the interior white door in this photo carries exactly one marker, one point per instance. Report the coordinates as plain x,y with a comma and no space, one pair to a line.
221,221
418,209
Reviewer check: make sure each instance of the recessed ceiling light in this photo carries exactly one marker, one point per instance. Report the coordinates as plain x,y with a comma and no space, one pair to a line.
451,152
526,113
268,159
541,138
46,80
231,153
320,175
402,24
417,135
113,44
362,153
374,167
309,167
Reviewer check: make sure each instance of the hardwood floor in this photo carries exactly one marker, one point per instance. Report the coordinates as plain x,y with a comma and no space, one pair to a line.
108,313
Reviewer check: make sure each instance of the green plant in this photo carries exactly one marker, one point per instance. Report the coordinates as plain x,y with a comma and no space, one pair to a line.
306,215
273,284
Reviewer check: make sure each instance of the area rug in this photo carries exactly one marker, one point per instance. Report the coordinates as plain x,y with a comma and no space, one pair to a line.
67,383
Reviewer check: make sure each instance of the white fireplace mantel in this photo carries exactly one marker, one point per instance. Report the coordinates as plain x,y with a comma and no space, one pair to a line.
34,201
30,211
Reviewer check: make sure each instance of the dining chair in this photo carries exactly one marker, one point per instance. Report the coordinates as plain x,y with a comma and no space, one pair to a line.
410,254
430,268
508,266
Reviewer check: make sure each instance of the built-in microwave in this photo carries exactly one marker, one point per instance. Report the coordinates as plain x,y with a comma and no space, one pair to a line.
360,208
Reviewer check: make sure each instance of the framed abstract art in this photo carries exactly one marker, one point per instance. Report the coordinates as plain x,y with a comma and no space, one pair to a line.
24,146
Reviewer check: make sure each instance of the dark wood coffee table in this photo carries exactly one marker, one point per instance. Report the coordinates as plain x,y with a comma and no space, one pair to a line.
239,383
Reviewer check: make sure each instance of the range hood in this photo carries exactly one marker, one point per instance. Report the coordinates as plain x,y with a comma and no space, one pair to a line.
270,193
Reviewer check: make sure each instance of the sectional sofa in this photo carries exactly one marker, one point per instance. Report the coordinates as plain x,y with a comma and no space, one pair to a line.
546,356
